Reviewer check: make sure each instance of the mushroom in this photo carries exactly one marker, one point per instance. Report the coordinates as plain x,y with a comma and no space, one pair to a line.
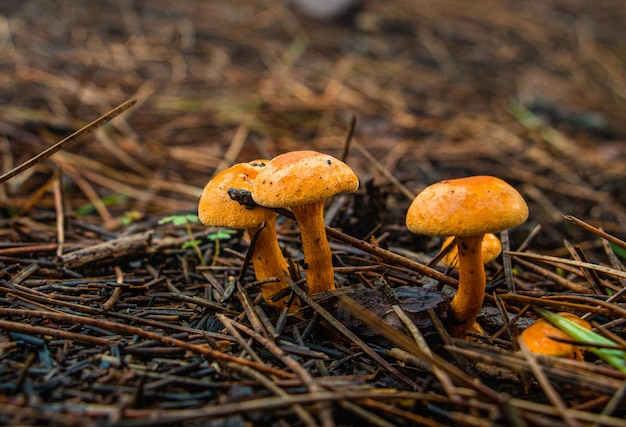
217,209
302,181
467,208
490,249
539,338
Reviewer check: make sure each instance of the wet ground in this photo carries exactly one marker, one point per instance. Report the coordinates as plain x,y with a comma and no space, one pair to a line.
532,92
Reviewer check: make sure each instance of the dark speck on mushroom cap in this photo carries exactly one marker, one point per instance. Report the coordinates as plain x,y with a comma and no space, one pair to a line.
302,177
466,207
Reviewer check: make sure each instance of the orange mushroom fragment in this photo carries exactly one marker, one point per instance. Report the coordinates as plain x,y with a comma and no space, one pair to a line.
490,249
217,209
302,181
467,208
539,338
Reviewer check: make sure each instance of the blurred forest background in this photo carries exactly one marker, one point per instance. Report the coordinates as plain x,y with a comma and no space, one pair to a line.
533,92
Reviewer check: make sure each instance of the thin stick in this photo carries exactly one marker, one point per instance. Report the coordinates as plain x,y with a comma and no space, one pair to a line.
346,145
383,170
306,299
291,363
580,264
506,262
153,417
117,292
614,402
25,328
236,144
134,330
551,393
443,377
304,416
595,230
560,281
88,191
242,342
560,305
60,214
70,140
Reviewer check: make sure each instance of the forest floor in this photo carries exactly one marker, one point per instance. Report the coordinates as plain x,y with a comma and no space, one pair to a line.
118,308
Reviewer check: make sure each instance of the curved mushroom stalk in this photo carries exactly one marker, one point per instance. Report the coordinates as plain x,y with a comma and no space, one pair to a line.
468,300
317,254
267,263
467,208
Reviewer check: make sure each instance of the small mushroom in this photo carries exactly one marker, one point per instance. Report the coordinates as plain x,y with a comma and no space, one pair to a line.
539,338
217,209
490,249
302,181
467,208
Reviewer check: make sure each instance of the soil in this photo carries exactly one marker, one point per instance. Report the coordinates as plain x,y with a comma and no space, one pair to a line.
118,308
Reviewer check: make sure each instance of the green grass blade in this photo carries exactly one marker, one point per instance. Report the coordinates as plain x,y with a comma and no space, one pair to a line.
613,356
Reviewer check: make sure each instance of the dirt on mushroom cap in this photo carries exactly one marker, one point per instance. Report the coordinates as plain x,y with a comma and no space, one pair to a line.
302,177
466,207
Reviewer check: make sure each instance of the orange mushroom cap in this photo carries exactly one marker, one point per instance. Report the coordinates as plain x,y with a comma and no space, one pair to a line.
538,338
301,177
217,209
466,207
490,249
302,181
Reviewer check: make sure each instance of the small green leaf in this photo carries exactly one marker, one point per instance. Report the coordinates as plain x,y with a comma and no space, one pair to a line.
220,234
84,210
186,219
129,217
174,219
166,219
110,200
619,251
191,244
180,221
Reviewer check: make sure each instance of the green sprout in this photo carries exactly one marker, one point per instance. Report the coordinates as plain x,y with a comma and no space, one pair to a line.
614,356
110,200
129,217
186,220
216,237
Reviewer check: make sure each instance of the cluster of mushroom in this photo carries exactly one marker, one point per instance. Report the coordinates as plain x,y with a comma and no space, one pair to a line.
467,210
299,180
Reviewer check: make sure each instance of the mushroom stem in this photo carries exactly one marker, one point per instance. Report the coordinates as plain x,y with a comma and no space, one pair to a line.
317,254
268,261
468,300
